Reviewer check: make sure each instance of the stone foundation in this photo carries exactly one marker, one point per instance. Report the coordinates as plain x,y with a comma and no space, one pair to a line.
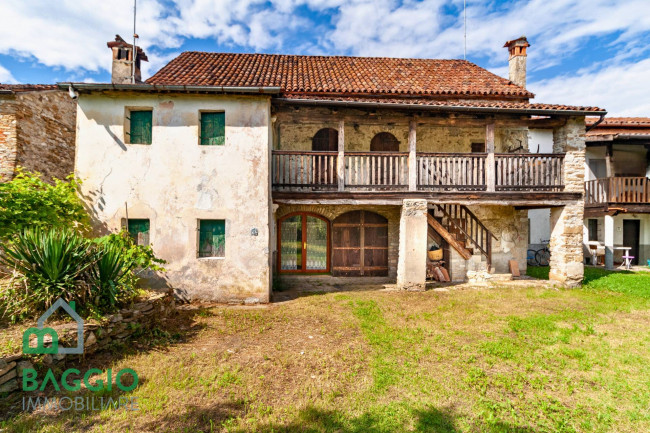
118,327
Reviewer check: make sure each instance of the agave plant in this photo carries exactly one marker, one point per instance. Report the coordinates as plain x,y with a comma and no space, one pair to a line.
51,263
111,275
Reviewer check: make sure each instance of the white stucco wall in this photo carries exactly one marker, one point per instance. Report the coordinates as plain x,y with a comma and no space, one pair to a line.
540,219
174,182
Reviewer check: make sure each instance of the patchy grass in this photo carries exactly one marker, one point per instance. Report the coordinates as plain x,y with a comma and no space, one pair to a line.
492,360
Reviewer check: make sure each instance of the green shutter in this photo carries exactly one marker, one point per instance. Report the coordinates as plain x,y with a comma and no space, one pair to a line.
140,127
139,231
212,238
213,129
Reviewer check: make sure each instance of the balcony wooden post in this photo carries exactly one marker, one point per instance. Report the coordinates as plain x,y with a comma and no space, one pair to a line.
490,163
340,161
412,161
608,161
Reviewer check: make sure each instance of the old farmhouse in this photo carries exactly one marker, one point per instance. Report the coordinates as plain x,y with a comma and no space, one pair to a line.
242,168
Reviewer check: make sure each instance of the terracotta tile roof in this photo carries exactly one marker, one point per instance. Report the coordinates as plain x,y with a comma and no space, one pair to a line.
27,87
338,75
632,122
420,101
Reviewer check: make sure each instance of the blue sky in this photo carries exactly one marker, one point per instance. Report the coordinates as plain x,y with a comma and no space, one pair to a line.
584,52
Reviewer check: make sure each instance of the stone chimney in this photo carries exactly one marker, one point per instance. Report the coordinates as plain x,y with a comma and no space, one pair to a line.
122,61
517,60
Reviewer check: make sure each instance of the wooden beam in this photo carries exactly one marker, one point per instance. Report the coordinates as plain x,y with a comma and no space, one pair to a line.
451,240
609,153
490,162
412,161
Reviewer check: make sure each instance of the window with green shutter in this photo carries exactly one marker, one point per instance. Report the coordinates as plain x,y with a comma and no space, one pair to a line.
213,129
212,238
139,230
140,131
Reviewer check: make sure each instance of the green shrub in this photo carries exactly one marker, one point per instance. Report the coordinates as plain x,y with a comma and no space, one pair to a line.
50,264
28,201
100,275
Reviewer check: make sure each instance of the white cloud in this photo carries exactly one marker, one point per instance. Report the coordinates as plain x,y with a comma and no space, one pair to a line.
6,77
621,89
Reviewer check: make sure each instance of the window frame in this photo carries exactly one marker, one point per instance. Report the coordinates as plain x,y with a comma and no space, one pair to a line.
126,224
593,234
127,124
200,127
198,239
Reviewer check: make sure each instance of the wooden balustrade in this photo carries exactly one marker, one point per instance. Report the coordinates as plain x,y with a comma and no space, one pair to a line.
617,190
376,169
529,172
451,171
296,169
381,171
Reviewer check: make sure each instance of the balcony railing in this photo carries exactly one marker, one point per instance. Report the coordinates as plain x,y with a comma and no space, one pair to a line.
381,171
617,190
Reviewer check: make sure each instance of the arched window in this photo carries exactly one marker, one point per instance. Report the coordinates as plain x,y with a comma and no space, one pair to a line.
384,142
303,243
326,139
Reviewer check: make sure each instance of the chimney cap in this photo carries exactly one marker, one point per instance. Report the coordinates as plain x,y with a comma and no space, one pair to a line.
121,43
519,42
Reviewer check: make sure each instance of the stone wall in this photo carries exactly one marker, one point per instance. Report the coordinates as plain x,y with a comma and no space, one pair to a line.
296,135
118,327
37,132
7,138
567,222
391,213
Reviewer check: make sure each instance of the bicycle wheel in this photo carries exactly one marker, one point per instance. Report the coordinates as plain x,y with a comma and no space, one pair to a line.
543,257
530,258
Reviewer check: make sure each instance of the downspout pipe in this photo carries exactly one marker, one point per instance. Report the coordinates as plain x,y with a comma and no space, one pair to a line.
598,122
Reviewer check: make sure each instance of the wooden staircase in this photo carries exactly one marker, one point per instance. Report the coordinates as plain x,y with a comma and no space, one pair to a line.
457,225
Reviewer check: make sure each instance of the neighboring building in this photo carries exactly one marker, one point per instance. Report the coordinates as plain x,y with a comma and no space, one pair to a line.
238,168
617,193
37,130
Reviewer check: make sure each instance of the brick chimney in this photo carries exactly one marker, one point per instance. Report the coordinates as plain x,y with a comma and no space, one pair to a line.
517,60
122,63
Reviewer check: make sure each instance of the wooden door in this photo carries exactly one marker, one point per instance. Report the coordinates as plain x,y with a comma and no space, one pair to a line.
303,243
360,244
631,232
325,140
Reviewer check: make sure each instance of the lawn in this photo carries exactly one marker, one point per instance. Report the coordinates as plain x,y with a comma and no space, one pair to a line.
487,360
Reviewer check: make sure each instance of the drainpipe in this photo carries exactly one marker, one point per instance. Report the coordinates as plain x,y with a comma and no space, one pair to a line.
598,122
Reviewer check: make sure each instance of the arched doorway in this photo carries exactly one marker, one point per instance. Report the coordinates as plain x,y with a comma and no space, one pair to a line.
325,140
360,244
384,142
303,243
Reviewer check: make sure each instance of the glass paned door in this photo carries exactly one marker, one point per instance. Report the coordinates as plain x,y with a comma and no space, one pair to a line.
304,243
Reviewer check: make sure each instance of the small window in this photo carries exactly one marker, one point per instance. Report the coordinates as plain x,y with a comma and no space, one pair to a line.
384,142
213,129
212,238
478,147
139,230
593,229
140,126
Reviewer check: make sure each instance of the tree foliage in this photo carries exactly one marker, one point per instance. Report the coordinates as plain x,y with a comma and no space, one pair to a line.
28,201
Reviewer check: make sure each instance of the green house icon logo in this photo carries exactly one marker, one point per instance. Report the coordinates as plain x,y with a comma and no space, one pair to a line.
40,332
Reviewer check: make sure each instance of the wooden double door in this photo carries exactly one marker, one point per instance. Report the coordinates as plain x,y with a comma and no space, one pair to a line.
360,244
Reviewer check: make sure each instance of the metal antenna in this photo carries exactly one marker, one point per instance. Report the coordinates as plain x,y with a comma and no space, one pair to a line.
465,28
134,53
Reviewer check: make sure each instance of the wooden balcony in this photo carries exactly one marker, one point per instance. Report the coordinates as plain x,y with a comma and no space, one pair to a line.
310,171
618,191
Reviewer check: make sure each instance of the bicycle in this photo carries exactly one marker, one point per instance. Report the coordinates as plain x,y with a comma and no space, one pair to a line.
539,257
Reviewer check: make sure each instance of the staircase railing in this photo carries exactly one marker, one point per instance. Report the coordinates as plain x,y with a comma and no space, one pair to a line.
463,220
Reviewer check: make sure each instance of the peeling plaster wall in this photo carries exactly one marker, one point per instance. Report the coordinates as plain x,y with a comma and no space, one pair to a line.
175,182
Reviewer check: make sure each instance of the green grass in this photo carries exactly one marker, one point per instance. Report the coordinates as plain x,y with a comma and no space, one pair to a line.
491,360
